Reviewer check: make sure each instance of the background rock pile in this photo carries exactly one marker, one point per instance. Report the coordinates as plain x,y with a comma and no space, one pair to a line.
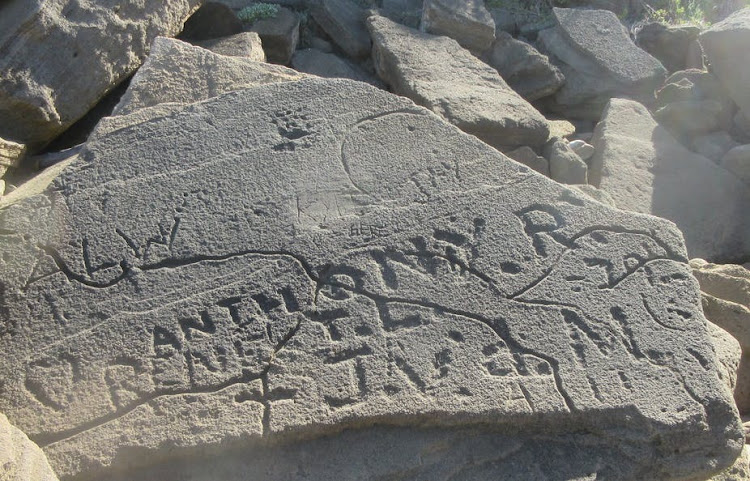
295,229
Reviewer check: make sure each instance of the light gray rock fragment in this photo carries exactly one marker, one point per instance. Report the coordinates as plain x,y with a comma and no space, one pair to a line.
314,267
59,58
437,73
599,61
466,21
177,72
11,153
279,34
725,45
646,170
565,166
527,71
20,458
529,158
584,150
245,44
344,22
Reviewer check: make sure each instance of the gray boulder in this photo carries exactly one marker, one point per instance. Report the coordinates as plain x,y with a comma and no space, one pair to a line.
527,71
437,73
245,44
272,282
529,158
668,44
211,20
714,145
646,170
11,154
330,65
565,166
279,34
466,21
737,161
693,102
59,59
406,12
599,61
344,22
177,72
725,45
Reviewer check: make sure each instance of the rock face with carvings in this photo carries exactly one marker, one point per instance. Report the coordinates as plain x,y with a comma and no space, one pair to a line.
641,165
436,72
215,290
58,57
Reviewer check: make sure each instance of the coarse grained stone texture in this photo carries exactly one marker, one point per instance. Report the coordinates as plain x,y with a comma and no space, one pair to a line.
466,21
728,353
280,35
20,458
669,44
344,22
531,159
599,61
289,261
725,294
245,44
11,154
527,71
565,166
739,471
177,72
330,65
59,57
646,170
737,161
725,45
437,73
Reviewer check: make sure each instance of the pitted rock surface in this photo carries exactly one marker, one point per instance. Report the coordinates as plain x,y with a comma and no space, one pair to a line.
437,73
59,57
324,258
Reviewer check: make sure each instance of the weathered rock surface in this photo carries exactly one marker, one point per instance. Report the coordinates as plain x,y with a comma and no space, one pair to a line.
527,71
280,35
406,12
11,154
737,161
245,44
725,45
212,20
344,22
529,158
466,21
739,471
668,44
437,73
726,302
21,459
177,72
596,194
728,353
646,170
330,65
58,58
565,166
599,61
584,150
693,102
323,257
714,145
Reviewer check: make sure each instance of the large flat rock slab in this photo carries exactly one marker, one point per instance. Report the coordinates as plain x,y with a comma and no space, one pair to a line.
725,45
646,170
59,58
279,279
437,73
20,458
599,61
177,72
